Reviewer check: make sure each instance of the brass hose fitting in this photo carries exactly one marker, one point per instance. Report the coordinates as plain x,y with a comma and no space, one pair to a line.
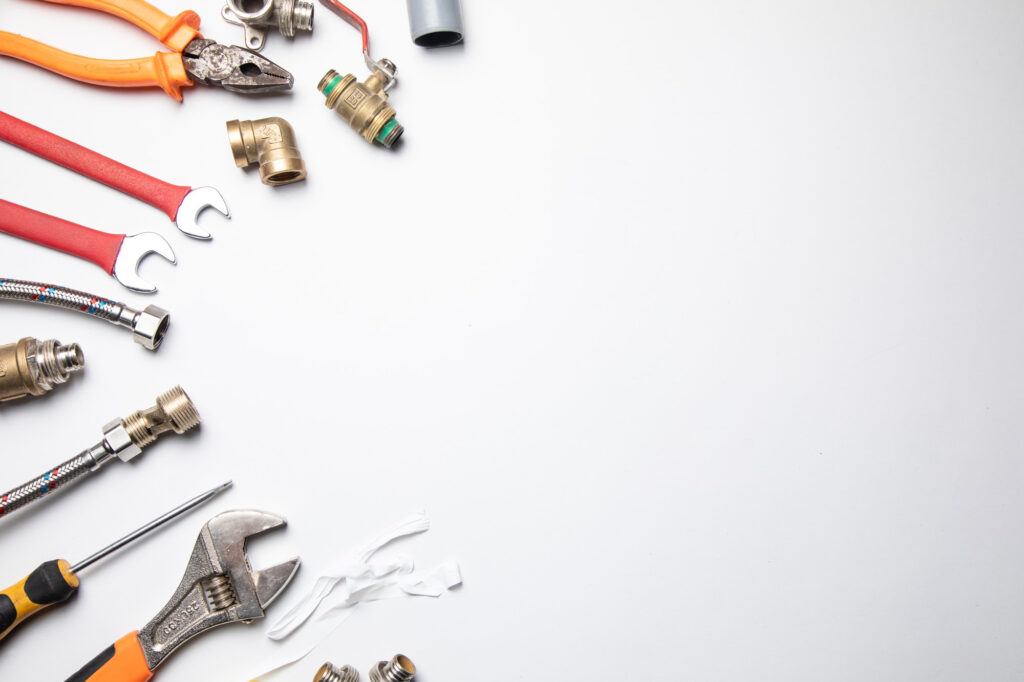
398,669
364,105
123,439
329,673
33,367
270,142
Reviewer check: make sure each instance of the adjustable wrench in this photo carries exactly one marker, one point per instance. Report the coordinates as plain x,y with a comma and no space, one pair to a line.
118,254
181,204
219,588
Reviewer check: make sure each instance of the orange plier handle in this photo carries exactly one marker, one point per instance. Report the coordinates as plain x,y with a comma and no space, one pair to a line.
164,69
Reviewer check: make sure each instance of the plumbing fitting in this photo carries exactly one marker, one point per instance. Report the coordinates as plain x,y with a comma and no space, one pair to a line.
122,438
364,105
148,326
435,23
33,367
270,142
398,669
287,16
329,673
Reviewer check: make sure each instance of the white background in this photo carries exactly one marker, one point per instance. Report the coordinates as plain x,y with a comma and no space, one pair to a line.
694,326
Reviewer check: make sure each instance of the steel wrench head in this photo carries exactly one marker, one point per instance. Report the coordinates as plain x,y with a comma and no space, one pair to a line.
135,247
219,586
197,199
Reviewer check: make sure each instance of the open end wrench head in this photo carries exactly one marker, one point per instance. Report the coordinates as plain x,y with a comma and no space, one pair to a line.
228,533
198,199
134,248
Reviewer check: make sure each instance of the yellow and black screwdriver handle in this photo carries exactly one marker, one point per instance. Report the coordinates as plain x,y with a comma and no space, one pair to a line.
51,583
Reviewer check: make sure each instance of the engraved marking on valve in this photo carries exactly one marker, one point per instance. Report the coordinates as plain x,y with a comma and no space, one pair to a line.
354,98
3,369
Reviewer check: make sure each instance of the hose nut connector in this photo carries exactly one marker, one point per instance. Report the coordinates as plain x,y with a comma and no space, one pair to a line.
287,16
34,367
398,669
270,142
328,672
364,105
174,411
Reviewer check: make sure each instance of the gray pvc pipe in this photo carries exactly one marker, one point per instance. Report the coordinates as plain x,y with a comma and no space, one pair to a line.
435,23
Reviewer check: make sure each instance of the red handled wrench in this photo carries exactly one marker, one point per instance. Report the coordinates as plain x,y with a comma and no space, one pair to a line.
181,204
118,254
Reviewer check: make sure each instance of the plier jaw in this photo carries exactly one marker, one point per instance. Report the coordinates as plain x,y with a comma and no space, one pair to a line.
233,68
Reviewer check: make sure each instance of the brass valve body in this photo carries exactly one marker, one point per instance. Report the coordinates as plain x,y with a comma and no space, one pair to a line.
270,142
364,106
33,367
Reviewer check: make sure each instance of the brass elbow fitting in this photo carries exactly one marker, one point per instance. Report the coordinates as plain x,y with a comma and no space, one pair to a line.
270,142
364,106
33,367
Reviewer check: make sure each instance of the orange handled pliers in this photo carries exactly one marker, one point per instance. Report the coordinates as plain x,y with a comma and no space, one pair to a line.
194,58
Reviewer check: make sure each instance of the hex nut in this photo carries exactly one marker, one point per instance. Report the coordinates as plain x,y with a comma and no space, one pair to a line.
117,441
151,327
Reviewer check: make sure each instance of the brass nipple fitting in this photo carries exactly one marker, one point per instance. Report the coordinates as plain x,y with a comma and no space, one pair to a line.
270,142
398,669
364,105
328,672
174,411
33,367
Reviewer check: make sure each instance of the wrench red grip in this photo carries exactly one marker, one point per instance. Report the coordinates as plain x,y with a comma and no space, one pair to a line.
97,247
162,195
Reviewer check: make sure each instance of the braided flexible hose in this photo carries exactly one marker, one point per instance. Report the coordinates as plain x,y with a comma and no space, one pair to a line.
58,477
148,326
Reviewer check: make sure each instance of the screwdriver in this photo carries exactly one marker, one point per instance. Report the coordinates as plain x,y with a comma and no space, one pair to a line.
55,581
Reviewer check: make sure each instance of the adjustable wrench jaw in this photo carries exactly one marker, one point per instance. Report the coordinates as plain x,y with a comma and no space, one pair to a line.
219,586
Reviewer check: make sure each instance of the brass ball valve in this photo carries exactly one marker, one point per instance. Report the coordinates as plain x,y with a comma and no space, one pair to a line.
33,367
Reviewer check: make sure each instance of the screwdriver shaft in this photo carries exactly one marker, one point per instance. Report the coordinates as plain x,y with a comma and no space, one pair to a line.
152,525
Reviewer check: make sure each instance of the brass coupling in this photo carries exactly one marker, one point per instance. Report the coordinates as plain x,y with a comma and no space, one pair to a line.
363,105
270,142
34,367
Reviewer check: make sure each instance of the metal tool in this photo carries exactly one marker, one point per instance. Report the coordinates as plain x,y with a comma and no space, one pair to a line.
122,438
148,326
34,367
181,204
194,58
398,669
118,254
219,587
54,582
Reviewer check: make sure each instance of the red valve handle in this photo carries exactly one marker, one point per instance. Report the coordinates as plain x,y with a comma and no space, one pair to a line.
162,195
97,247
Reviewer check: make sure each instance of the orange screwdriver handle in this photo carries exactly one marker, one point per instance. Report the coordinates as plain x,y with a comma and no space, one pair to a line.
123,661
164,69
174,32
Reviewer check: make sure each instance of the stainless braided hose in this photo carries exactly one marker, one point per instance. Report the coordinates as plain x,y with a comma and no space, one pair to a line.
148,326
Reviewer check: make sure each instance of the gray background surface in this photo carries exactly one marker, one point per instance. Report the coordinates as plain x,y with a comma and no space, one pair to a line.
695,326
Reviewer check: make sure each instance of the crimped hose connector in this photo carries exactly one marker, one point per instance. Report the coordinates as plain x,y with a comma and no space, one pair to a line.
148,326
123,439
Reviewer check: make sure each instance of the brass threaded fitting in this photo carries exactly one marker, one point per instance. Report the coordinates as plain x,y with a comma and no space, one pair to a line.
270,142
329,673
174,411
398,669
33,367
363,105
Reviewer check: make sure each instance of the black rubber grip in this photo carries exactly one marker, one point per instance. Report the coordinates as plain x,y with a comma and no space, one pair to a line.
46,584
7,612
92,666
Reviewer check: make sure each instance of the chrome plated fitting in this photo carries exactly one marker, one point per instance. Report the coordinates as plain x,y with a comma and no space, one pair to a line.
364,106
398,669
33,367
148,326
270,142
329,673
256,17
122,438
